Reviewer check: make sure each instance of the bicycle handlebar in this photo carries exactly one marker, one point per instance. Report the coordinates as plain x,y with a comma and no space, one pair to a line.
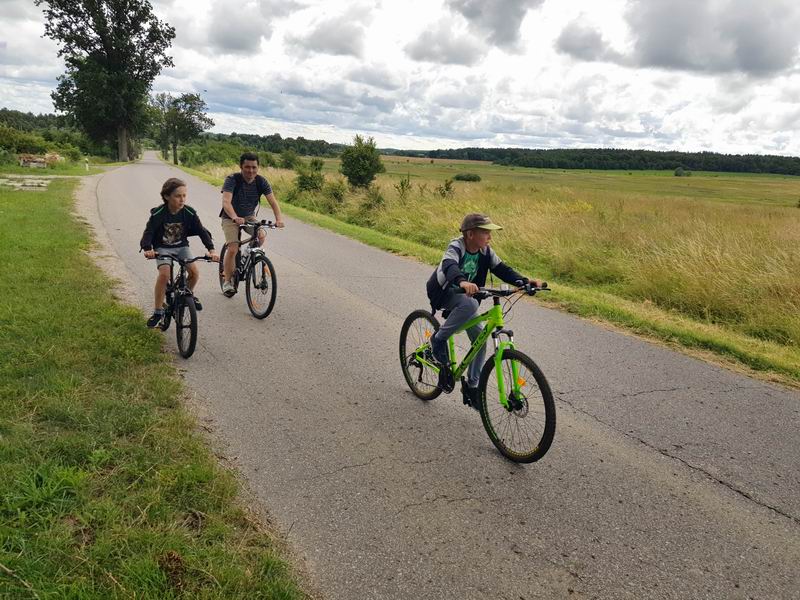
528,289
262,223
180,260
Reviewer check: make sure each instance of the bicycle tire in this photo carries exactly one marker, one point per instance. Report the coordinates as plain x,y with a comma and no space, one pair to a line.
417,329
523,434
261,285
236,263
186,325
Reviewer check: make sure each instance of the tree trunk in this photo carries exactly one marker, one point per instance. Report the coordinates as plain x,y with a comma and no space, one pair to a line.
122,144
175,153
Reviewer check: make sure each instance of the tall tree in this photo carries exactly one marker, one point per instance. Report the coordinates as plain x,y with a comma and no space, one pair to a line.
178,120
113,50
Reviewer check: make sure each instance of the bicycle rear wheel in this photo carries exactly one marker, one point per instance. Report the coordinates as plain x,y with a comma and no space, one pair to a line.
524,431
261,287
416,333
221,266
186,325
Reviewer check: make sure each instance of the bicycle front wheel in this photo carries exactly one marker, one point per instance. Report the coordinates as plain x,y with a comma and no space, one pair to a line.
416,334
186,326
524,430
261,287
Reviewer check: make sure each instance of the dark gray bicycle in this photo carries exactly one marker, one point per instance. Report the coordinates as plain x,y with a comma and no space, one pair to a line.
179,305
255,269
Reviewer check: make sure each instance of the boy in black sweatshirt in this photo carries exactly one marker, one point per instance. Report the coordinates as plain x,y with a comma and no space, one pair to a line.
166,233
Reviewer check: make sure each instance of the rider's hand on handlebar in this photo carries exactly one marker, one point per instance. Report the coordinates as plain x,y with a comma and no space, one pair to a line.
212,254
279,223
239,220
149,253
470,289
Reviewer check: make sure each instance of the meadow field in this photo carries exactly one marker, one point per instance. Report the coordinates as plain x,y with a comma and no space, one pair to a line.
710,261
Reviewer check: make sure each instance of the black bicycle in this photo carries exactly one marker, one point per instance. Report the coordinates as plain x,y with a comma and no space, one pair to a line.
255,269
179,305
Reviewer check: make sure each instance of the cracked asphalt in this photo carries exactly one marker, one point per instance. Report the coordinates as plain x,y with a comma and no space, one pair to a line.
668,477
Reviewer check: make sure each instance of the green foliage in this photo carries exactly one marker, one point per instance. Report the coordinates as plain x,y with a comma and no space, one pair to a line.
361,162
316,164
177,120
22,142
309,180
209,152
681,172
7,157
403,187
112,52
335,191
446,190
611,158
467,177
289,159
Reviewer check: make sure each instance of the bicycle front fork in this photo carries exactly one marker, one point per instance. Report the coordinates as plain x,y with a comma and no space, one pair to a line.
499,349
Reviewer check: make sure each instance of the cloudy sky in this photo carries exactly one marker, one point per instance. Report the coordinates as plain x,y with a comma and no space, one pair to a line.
721,75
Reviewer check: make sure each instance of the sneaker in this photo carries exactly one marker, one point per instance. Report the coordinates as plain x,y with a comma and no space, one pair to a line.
198,306
471,396
228,289
155,319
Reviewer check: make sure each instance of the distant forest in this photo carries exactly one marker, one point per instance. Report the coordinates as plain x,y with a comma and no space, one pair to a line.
606,158
277,144
590,158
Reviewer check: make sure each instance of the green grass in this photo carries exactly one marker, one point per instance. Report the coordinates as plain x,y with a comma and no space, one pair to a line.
106,491
70,169
709,262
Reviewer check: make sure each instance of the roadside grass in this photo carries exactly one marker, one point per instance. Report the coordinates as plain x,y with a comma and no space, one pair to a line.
106,491
709,262
68,169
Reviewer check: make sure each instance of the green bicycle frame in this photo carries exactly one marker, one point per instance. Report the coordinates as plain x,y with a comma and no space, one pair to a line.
494,323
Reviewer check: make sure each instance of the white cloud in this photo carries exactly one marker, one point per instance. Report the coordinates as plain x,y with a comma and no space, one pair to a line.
702,74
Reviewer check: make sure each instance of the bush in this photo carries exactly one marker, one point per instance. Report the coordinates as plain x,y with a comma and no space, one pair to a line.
7,157
681,172
403,187
309,180
316,164
446,190
467,177
289,159
335,191
193,155
361,162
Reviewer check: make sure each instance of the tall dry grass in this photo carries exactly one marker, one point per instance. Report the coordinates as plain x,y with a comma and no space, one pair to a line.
720,249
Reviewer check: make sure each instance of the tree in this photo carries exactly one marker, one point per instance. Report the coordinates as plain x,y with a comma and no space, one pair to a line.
177,120
113,50
361,162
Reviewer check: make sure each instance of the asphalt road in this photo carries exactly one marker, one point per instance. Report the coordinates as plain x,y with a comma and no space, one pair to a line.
668,477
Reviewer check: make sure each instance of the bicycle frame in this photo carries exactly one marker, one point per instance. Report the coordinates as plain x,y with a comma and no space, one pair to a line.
493,328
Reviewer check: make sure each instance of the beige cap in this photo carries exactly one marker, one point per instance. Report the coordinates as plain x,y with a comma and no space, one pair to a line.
479,221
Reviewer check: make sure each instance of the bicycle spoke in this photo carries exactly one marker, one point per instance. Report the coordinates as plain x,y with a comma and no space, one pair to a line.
524,430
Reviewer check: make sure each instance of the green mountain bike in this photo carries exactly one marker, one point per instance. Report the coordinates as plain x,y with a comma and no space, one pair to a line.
516,403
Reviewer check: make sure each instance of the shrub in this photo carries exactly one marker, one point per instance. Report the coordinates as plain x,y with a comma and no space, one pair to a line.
289,159
335,191
681,172
403,187
446,190
374,199
467,177
316,164
309,180
361,162
7,157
